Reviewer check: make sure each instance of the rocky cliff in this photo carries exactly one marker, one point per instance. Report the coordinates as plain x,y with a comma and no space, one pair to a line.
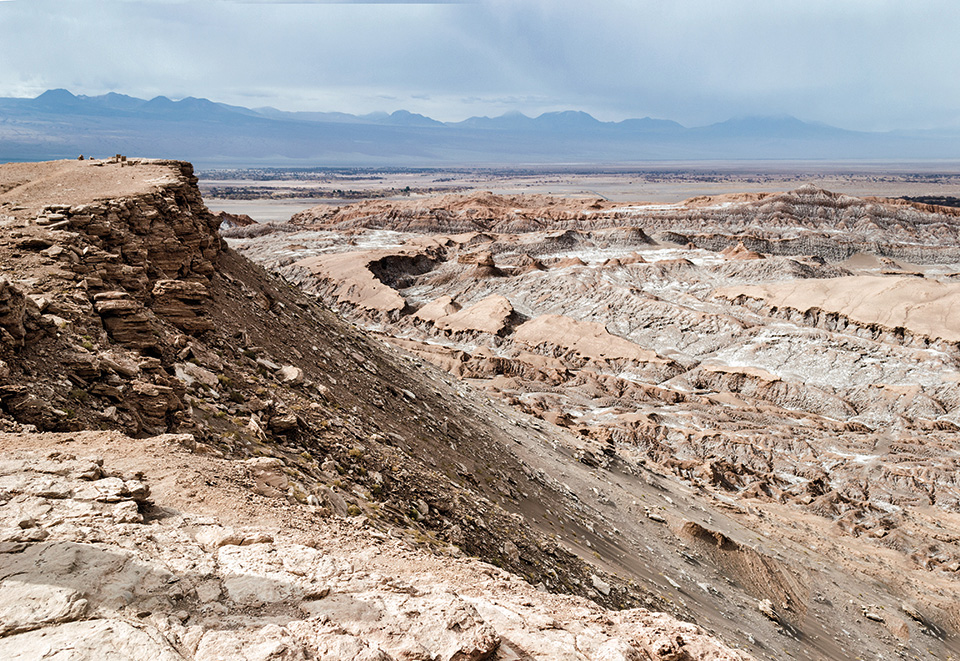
102,292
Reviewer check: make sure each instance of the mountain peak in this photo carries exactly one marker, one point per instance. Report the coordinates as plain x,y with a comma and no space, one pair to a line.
57,96
569,118
407,118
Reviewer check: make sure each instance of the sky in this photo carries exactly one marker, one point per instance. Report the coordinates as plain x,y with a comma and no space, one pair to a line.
858,64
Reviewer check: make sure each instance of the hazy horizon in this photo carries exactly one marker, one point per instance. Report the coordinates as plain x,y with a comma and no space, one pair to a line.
373,113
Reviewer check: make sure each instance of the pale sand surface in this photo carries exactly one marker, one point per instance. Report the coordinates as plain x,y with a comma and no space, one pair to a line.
26,187
922,306
587,338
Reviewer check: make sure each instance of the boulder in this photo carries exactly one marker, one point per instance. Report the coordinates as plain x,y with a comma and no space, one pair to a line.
190,373
290,375
285,423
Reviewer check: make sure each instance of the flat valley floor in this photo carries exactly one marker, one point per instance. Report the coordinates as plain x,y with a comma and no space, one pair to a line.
271,195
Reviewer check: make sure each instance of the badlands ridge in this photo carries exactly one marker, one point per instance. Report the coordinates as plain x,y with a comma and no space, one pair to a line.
201,463
790,355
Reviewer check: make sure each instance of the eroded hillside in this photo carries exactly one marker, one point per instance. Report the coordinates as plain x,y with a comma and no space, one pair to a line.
781,369
202,462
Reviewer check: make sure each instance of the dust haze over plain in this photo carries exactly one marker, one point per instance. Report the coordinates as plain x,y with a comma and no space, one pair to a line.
857,64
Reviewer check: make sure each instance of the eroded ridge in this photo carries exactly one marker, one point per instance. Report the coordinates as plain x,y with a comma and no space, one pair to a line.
123,311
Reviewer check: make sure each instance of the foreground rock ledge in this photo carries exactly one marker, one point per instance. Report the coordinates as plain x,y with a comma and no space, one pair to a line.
93,566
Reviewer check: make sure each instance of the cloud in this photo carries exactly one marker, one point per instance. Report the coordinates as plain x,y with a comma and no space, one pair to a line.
869,64
351,2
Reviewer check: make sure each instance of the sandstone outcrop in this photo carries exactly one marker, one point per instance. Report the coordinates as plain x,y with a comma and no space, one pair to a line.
235,220
585,339
924,308
442,306
182,303
490,315
126,320
13,308
808,220
740,251
113,269
354,283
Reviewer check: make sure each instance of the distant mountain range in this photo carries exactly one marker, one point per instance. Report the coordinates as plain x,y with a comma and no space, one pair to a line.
58,124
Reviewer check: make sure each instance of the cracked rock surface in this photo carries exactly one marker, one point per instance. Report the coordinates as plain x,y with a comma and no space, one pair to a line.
93,567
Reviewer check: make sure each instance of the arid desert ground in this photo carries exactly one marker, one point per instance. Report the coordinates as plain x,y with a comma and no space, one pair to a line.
463,422
271,195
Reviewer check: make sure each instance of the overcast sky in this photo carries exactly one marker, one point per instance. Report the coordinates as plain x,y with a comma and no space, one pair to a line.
859,64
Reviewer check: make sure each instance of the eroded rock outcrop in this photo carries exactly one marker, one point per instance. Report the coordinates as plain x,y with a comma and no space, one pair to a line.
82,570
491,315
926,309
126,327
126,319
125,271
826,520
182,303
13,305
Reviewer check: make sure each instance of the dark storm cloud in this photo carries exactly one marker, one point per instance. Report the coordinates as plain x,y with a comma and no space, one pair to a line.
860,64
